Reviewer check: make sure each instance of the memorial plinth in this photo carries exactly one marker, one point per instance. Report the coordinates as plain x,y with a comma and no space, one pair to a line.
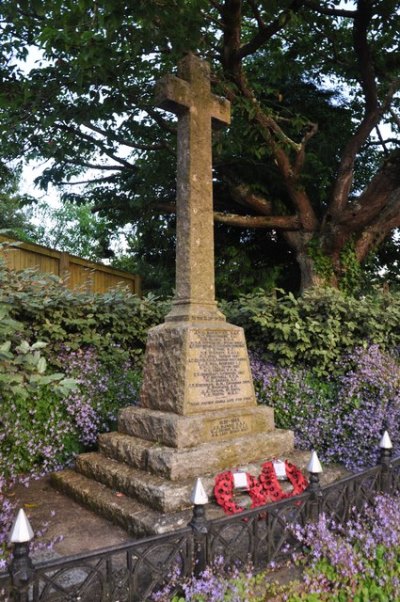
196,368
198,413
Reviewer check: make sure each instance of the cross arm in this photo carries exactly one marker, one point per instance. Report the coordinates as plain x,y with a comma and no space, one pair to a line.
173,94
220,110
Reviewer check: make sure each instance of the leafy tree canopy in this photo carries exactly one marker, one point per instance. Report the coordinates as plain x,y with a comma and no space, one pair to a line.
14,219
306,161
75,229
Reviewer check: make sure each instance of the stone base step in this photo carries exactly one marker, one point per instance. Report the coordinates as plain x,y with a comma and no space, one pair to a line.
190,462
174,430
137,519
156,492
125,448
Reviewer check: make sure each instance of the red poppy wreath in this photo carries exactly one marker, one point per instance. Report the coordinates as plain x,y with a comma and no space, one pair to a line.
273,492
224,492
261,491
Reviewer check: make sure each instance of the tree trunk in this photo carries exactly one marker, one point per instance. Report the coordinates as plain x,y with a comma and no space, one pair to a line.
308,273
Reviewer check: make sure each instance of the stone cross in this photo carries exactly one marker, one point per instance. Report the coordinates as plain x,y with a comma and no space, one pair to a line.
189,96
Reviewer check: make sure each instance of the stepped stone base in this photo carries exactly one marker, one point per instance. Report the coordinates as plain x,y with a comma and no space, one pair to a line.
140,520
145,487
182,463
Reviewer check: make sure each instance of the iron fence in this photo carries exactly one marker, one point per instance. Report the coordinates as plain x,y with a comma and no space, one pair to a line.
132,572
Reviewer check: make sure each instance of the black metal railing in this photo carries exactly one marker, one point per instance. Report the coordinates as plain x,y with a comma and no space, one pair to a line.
133,571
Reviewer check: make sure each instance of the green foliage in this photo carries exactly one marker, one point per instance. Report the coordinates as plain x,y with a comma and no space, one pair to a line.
352,274
75,229
57,316
23,368
317,329
14,219
322,262
31,409
68,362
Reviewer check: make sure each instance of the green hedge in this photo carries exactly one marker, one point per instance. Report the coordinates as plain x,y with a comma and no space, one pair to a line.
51,313
317,329
312,331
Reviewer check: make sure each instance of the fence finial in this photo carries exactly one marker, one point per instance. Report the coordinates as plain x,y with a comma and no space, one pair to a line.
21,531
199,525
385,442
198,497
21,568
385,460
314,465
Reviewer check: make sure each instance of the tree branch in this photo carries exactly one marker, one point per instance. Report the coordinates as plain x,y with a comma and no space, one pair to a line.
301,155
275,137
395,117
375,234
91,181
98,143
283,222
243,195
123,141
257,14
266,32
94,165
372,113
362,20
164,125
375,199
331,12
216,5
383,142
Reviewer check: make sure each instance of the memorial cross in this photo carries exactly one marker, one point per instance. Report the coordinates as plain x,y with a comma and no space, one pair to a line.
189,97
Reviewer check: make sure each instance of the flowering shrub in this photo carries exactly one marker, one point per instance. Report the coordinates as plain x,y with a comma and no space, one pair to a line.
358,562
103,388
217,584
342,417
42,432
37,435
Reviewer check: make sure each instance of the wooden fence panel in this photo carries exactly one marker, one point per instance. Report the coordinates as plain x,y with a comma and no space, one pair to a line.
77,273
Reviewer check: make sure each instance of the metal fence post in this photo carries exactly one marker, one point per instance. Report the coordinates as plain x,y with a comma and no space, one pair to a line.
386,449
314,487
199,525
21,568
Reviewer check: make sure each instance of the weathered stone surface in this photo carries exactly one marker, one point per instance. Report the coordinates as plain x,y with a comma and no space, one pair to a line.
173,430
159,493
122,447
189,96
196,368
139,520
176,464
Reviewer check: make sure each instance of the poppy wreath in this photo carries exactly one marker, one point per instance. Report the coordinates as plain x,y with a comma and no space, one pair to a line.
225,497
272,490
